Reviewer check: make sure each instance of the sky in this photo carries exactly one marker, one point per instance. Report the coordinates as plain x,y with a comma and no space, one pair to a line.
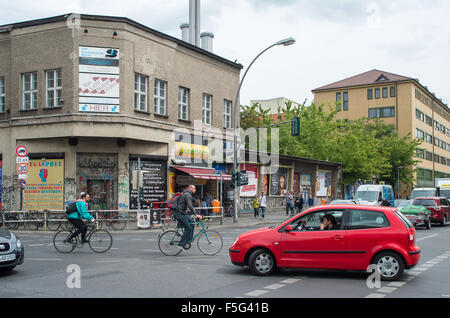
335,39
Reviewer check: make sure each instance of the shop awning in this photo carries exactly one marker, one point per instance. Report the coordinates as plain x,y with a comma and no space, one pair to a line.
204,173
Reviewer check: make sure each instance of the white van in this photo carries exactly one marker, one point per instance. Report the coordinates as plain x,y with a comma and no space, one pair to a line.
373,194
423,192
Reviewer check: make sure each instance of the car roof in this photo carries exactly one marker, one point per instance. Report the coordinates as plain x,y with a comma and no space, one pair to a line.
430,198
353,207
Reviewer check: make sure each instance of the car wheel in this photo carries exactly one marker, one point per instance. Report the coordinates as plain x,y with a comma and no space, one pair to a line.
444,221
262,262
428,224
390,265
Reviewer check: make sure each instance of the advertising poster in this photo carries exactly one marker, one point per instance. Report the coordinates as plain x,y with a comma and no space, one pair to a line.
152,179
251,189
45,185
295,183
279,182
321,188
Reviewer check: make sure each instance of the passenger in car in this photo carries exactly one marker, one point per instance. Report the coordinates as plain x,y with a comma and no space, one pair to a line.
328,223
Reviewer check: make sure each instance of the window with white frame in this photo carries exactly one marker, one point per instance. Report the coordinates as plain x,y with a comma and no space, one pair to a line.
206,109
227,113
140,92
29,87
160,97
183,103
2,94
53,81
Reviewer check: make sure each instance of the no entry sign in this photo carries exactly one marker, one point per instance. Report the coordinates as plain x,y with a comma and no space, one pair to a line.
22,151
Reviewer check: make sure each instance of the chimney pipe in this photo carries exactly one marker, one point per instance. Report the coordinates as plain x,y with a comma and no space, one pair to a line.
194,22
207,41
185,32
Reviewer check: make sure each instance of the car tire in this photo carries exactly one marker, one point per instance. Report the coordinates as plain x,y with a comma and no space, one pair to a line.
390,265
428,224
262,262
444,221
7,269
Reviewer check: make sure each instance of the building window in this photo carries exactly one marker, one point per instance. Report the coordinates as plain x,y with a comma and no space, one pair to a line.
437,158
160,97
370,93
443,160
392,89
435,125
227,113
428,156
338,101
345,100
420,153
429,138
374,112
377,93
53,79
2,94
419,115
428,120
140,92
206,109
436,141
29,82
420,134
385,92
425,177
183,103
382,112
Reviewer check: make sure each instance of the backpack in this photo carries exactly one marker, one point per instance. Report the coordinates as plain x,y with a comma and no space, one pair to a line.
173,202
71,208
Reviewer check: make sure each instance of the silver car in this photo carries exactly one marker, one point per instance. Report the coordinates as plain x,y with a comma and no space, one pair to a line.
11,250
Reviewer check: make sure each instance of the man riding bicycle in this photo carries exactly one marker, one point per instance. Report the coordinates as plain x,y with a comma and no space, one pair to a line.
181,215
76,218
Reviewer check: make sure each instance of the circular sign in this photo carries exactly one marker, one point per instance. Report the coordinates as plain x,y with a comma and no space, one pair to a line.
22,183
22,168
21,151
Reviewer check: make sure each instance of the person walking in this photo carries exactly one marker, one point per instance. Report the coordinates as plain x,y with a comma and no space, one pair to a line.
76,218
255,205
289,203
310,201
299,204
263,204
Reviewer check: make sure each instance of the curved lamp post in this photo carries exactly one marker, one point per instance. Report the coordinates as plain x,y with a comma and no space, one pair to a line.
284,42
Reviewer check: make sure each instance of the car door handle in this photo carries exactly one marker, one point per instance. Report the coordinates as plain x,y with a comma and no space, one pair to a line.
338,237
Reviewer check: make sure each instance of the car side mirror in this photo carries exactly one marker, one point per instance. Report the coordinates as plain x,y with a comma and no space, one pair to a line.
289,228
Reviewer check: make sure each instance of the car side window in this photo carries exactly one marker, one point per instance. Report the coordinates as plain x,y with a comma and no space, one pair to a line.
312,221
362,219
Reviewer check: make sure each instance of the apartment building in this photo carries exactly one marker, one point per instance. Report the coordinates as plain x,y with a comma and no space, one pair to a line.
404,102
92,96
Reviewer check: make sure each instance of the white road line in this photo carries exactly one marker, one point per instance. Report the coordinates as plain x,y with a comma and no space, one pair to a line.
290,280
375,295
34,245
387,290
44,259
426,237
275,286
257,293
397,284
421,269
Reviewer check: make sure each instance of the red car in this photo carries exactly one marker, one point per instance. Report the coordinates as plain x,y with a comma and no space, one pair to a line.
363,235
439,208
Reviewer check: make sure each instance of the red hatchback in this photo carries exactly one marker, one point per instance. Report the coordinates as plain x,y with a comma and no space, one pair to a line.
362,235
439,208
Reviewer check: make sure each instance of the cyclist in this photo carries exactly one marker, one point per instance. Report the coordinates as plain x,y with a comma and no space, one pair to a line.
76,218
181,215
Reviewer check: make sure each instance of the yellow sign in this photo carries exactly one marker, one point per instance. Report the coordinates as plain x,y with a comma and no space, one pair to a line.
185,150
45,185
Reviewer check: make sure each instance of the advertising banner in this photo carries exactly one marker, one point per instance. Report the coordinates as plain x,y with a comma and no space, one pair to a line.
321,185
44,188
251,189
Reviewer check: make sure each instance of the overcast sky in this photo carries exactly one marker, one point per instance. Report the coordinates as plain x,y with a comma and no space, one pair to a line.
336,39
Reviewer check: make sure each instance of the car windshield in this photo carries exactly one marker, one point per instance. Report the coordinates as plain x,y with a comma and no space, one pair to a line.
425,202
445,193
422,193
366,195
401,203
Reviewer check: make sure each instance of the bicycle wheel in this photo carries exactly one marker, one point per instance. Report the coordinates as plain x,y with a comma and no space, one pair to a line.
169,222
33,223
168,243
58,242
120,223
100,241
11,222
52,224
210,242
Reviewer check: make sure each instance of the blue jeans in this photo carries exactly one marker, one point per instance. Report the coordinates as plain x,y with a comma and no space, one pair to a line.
255,212
289,207
185,222
263,210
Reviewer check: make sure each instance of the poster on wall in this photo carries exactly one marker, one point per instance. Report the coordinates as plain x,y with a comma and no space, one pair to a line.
321,185
295,183
44,188
251,189
153,181
279,182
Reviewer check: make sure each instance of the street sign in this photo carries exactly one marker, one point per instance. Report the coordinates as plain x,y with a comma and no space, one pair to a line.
22,160
22,183
22,168
22,151
23,176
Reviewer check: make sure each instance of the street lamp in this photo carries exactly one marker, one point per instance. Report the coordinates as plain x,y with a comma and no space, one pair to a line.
284,42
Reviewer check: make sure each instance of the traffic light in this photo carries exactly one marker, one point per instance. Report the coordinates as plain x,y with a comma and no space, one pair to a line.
243,178
235,179
295,126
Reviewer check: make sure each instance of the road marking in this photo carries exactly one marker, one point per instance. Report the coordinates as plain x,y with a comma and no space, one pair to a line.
426,237
387,290
397,284
421,269
290,280
275,286
375,295
44,259
34,245
257,293
446,296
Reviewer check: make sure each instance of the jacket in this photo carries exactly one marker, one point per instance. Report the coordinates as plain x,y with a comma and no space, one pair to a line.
185,203
81,212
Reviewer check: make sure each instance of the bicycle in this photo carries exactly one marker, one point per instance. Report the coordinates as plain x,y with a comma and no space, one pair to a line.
100,241
168,220
209,242
29,219
118,221
9,220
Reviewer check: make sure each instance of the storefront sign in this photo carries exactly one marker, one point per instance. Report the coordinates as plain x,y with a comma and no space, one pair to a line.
153,181
190,151
44,188
251,189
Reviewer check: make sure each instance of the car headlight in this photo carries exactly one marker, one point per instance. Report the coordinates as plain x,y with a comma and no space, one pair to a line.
19,243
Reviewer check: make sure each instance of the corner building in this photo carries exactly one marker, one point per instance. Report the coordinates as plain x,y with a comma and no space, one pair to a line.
91,96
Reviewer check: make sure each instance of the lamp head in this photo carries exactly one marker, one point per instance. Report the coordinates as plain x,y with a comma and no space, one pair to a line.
286,42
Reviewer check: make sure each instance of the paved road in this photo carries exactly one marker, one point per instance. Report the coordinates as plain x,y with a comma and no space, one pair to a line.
134,267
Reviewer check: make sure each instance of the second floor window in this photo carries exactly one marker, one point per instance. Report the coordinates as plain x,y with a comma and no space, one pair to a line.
54,88
183,103
2,95
29,82
206,109
338,101
345,100
227,113
140,92
160,93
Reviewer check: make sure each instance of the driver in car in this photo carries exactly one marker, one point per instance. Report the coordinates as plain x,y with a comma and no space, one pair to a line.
328,223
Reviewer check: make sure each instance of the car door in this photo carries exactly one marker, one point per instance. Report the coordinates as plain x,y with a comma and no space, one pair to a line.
306,246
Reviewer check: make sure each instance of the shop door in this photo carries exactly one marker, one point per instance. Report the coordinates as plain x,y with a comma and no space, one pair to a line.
100,192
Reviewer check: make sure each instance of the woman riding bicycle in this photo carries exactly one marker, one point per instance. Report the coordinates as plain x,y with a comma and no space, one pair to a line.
76,218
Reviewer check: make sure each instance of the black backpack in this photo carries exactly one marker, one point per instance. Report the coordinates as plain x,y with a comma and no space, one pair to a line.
71,208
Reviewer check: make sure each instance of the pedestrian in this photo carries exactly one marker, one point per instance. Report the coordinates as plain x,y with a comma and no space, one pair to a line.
263,204
310,201
209,203
299,204
289,203
255,205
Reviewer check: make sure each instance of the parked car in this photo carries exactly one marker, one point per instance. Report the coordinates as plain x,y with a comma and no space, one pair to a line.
343,202
11,250
417,215
365,235
438,206
402,203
